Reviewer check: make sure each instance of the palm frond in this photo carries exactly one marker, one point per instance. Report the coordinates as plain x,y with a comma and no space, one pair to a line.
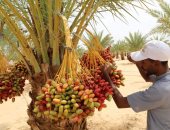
163,18
135,41
164,6
155,13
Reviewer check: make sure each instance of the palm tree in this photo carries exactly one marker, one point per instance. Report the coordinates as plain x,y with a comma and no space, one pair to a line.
80,50
162,18
105,40
135,41
7,49
119,48
99,39
43,35
163,37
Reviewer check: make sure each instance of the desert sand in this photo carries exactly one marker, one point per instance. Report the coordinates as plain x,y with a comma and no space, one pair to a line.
13,116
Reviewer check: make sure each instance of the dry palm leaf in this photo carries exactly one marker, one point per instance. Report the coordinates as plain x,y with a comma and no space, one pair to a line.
3,63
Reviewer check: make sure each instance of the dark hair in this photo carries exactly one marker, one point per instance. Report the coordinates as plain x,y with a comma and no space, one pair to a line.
164,63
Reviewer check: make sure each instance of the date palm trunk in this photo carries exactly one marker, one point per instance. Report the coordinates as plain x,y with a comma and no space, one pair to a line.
122,56
117,55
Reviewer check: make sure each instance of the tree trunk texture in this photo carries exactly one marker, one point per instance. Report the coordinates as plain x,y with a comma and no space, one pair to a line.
117,55
37,81
122,56
125,54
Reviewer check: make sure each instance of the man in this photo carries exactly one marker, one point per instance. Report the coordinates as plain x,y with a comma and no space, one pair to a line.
152,62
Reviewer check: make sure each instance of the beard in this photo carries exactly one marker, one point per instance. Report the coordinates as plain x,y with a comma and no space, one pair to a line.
151,72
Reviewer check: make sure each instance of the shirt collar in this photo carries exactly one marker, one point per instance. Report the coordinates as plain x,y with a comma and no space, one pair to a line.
163,75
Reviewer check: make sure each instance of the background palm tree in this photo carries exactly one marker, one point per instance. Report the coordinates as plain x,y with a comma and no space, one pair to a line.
135,41
160,37
119,49
105,40
80,50
7,50
163,18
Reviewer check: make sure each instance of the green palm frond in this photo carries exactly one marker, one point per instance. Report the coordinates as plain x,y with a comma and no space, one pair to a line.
160,29
155,13
104,40
162,16
165,7
107,40
80,50
38,27
162,37
119,46
135,41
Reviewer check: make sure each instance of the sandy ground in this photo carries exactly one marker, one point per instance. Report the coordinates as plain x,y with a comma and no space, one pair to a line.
13,116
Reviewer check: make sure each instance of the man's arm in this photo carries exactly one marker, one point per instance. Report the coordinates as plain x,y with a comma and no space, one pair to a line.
120,101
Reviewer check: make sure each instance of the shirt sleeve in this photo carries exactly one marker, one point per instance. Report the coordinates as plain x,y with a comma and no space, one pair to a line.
145,100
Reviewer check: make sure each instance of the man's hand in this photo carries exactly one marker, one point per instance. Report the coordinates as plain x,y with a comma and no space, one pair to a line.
106,68
120,101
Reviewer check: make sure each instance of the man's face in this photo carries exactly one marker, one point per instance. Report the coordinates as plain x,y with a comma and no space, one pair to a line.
148,66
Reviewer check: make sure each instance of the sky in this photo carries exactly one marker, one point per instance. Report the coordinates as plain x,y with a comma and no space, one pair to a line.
119,29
